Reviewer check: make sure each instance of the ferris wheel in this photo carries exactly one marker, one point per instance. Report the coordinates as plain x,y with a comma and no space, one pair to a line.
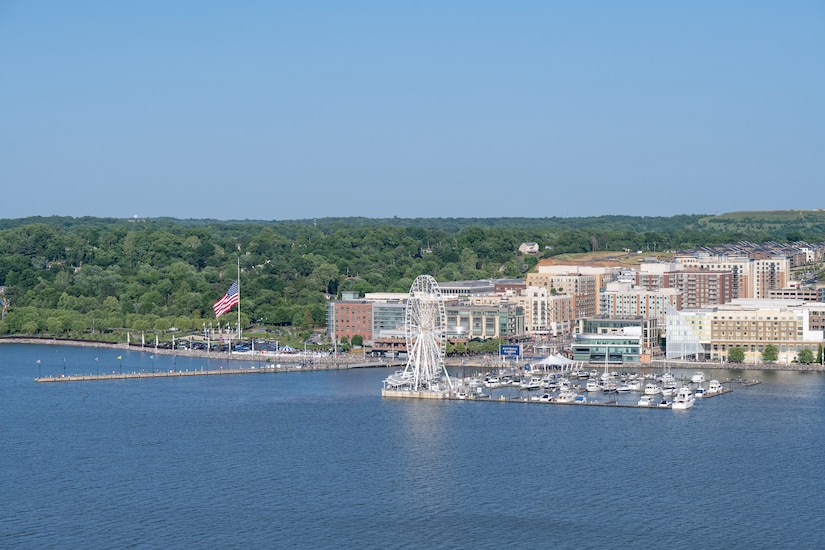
425,326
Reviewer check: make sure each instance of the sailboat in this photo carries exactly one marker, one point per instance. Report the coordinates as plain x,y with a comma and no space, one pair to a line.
607,385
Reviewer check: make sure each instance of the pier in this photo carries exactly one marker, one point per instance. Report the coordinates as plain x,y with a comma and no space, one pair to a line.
264,369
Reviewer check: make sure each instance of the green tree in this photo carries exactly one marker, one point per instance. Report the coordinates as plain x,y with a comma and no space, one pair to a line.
357,340
805,356
770,354
736,355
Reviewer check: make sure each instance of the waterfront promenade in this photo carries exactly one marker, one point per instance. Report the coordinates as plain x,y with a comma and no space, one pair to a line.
282,362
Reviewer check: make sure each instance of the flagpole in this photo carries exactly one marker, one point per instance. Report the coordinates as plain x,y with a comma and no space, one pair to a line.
239,298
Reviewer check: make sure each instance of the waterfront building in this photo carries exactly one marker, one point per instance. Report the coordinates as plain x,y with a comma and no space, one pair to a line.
347,318
608,349
505,321
749,324
647,328
379,314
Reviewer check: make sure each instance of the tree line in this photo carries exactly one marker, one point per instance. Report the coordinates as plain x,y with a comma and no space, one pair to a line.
74,276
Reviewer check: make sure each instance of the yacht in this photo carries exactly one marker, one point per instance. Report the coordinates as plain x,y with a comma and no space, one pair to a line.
652,389
645,401
714,387
668,379
699,391
566,396
492,382
684,398
530,384
592,385
698,377
549,383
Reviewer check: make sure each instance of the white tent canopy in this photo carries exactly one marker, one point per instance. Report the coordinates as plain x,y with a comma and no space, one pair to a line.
555,360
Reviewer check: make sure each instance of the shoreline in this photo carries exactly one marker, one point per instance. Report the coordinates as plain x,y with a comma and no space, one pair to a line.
312,361
345,361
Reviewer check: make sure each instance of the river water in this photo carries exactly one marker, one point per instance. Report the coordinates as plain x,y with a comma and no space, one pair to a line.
320,460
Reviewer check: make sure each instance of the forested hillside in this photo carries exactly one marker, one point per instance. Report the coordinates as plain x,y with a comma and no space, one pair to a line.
68,276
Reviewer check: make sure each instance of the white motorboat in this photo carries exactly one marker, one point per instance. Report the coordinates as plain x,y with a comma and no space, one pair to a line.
566,396
592,385
652,389
580,399
684,398
645,401
668,379
699,391
549,383
669,390
492,382
698,377
579,373
530,384
635,385
714,387
623,388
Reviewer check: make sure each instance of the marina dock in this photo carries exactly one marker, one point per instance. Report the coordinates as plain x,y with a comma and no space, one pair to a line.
457,396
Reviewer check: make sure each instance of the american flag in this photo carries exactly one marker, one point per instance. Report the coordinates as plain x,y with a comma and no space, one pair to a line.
228,301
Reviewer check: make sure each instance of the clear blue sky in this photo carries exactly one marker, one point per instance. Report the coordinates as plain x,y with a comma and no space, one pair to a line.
301,109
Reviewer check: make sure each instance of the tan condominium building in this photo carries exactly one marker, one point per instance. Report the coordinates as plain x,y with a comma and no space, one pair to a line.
751,277
583,289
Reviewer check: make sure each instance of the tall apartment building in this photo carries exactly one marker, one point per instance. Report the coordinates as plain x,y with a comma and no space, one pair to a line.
701,287
751,277
626,300
545,314
583,289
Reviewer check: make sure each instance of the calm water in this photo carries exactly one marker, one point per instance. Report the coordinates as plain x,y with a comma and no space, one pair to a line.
319,459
